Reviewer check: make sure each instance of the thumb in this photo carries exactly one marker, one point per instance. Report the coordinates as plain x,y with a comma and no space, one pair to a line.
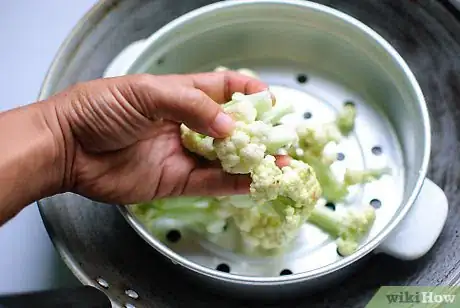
196,110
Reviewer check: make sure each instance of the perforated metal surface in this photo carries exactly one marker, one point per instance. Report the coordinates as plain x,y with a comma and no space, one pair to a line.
336,50
372,145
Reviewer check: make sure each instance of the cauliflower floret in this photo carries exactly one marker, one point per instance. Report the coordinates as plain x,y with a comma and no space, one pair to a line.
265,230
265,180
252,138
244,149
299,183
198,143
354,227
243,71
248,108
296,182
279,203
282,199
245,113
248,145
348,227
335,189
311,149
269,227
345,120
314,139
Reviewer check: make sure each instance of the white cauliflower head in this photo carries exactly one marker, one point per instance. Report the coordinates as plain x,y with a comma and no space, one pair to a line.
354,226
244,149
265,180
281,201
297,182
264,229
251,138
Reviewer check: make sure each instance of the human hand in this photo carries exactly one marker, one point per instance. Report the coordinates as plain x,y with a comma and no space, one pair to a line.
119,138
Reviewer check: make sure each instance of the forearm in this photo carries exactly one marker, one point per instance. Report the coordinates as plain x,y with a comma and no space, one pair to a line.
29,158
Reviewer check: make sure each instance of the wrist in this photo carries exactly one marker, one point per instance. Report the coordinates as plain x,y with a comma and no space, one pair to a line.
32,163
59,146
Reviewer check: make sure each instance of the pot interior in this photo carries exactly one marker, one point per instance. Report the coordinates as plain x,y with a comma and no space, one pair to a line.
328,60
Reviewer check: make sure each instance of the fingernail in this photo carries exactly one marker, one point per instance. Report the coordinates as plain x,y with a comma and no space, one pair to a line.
223,124
273,99
283,160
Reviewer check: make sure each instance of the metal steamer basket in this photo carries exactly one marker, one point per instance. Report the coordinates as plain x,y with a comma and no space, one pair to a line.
325,58
345,61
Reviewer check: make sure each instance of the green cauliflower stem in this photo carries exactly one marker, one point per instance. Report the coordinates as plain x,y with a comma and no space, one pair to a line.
262,229
248,108
278,111
200,214
345,120
311,150
349,227
335,190
274,116
332,189
353,177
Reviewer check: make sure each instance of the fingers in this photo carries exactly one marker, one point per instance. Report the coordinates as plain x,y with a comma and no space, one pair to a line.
221,85
200,94
215,182
193,99
196,110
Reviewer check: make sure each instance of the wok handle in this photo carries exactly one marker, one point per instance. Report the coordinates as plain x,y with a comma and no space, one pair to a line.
79,297
418,231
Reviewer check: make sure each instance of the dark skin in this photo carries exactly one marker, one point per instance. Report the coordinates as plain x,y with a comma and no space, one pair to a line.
117,140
